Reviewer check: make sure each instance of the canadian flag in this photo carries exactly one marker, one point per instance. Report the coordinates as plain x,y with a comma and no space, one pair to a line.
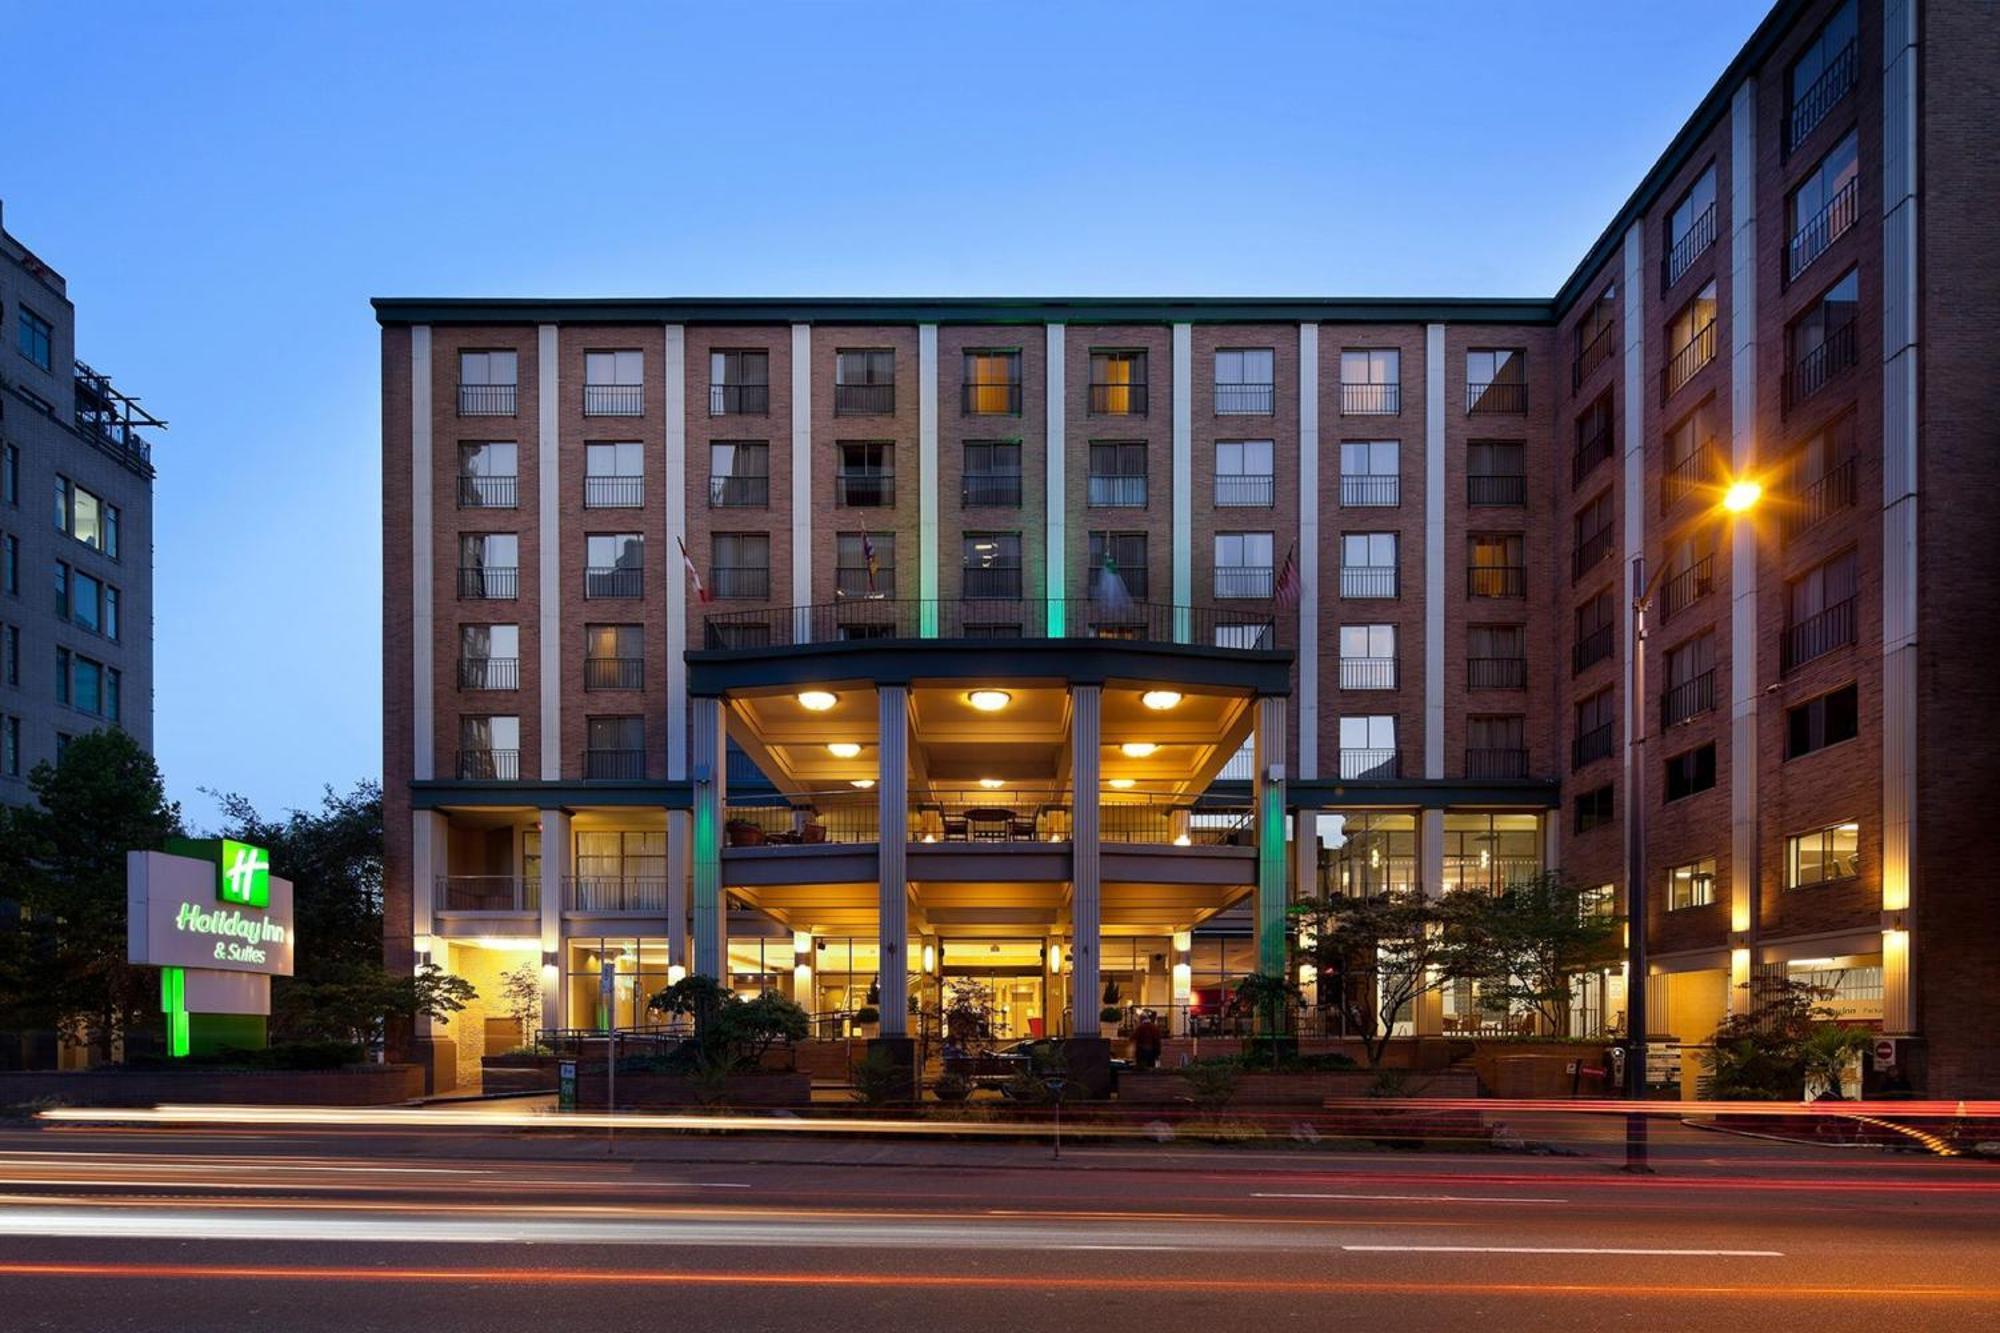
701,593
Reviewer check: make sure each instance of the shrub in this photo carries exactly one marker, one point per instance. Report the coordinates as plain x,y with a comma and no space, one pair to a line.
1212,1083
879,1078
867,1013
952,1087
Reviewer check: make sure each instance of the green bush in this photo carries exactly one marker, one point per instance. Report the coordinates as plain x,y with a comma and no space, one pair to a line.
952,1087
879,1079
1212,1083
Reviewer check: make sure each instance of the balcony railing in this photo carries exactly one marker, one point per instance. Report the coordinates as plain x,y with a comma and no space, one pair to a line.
486,893
1367,580
1593,354
865,490
1592,648
991,399
614,673
1687,360
489,673
1823,228
1496,673
991,490
1592,745
614,581
1690,698
614,764
1694,473
1001,583
1690,247
1243,580
1496,581
486,400
1359,765
614,400
488,492
489,765
1244,399
1594,449
1496,489
1818,500
1488,873
741,580
1244,491
1367,673
1592,551
1370,491
864,400
489,583
1687,587
1816,369
1496,396
1819,634
1491,762
1010,618
614,492
1835,82
1118,400
1371,400
739,492
739,400
1116,492
613,894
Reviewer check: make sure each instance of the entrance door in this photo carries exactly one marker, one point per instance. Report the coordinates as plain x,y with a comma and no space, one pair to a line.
1013,977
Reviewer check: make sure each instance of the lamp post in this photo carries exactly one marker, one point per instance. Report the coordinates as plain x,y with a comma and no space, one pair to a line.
1739,498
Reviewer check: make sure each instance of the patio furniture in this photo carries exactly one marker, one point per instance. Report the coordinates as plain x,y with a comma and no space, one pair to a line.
989,823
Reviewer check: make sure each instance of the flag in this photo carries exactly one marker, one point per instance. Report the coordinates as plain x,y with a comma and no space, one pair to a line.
1109,591
701,594
1288,588
868,558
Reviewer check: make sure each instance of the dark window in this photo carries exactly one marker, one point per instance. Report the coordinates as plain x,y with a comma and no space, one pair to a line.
1496,657
1596,631
1596,335
864,381
739,383
1496,379
614,747
1823,74
1120,556
1691,771
741,566
1690,228
1117,476
1594,809
739,474
1818,723
1596,729
865,564
1596,438
1824,205
992,565
1820,611
37,338
1595,530
992,474
1821,343
867,476
1496,473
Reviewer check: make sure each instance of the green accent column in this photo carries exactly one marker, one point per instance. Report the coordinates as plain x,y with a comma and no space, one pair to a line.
173,1003
711,922
1268,786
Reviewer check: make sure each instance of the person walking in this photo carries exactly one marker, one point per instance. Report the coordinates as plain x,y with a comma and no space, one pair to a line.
1146,1041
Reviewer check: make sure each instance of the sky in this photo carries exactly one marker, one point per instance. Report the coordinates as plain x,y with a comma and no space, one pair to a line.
225,185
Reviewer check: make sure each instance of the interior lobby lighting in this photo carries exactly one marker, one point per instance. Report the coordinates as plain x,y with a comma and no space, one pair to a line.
989,701
1055,958
1183,841
676,974
1742,496
991,784
1137,749
1160,700
817,701
843,749
1120,784
863,783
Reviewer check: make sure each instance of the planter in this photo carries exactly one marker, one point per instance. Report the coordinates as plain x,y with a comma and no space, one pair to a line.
1253,1089
357,1085
1542,1068
661,1091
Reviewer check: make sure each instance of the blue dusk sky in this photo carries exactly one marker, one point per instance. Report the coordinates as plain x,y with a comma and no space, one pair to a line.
225,186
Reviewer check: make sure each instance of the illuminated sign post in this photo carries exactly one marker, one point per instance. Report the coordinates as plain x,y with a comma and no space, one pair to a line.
210,915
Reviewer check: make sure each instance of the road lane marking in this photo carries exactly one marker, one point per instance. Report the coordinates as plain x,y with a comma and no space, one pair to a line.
1563,1249
1416,1198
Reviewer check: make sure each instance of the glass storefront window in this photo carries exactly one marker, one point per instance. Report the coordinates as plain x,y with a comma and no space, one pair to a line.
639,973
1366,854
1490,851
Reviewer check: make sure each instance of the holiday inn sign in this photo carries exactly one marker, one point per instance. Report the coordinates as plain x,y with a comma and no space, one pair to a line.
209,904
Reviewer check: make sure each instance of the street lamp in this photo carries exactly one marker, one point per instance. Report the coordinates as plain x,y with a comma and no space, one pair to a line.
1739,498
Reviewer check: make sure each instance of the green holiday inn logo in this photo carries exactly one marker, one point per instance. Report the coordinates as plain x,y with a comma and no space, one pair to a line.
242,872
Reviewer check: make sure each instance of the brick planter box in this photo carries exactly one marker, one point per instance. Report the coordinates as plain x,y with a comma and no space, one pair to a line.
660,1091
518,1073
357,1085
1168,1088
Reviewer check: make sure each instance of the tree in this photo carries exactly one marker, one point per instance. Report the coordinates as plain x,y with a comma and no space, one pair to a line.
357,1004
1268,999
1525,945
1376,956
1786,1045
521,989
731,1033
62,861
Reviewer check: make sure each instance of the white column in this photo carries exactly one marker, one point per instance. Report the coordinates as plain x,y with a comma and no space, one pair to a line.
423,502
1434,410
428,860
1308,746
802,481
1632,503
548,510
557,859
673,480
1183,482
1085,748
711,794
1055,576
1429,1008
1267,788
927,478
680,860
892,890
1744,636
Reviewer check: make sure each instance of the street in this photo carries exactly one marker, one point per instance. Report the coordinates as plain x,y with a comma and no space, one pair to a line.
110,1227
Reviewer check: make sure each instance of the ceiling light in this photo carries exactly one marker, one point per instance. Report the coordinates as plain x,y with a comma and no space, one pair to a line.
991,784
1183,841
1120,784
843,749
1137,749
1160,700
989,701
817,701
863,783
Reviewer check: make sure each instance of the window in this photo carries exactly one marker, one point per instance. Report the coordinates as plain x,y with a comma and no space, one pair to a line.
489,747
991,478
1694,460
1596,729
614,747
36,338
488,475
1690,683
1596,632
614,475
614,564
1368,746
1118,384
739,383
1243,381
1691,885
867,476
1368,564
991,564
1596,338
86,601
1496,657
1496,746
1818,723
1820,611
1820,476
739,474
864,564
10,747
1690,227
1118,568
1496,472
1370,473
1496,380
993,383
10,475
489,657
10,564
1690,771
1823,855
1690,340
614,384
1496,565
87,686
486,382
1371,382
63,603
1594,529
1594,809
609,858
1824,205
1243,565
1820,343
489,565
10,655
1823,74
614,657
62,675
85,517
1243,476
111,605
1596,438
741,564
1117,476
864,381
1367,657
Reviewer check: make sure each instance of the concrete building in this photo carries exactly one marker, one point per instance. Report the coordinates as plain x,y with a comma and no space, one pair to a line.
1131,620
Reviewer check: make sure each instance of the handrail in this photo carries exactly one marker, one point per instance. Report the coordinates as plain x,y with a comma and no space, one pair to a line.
981,618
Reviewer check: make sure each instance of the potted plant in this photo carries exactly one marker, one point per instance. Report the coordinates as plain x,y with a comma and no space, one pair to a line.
1111,1013
867,1020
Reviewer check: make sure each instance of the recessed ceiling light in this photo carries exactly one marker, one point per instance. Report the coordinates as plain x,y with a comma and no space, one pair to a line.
1137,749
1122,784
863,783
843,749
989,701
1159,700
991,784
817,701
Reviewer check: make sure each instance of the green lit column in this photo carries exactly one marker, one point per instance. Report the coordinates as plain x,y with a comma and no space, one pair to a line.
1268,791
710,773
173,1003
